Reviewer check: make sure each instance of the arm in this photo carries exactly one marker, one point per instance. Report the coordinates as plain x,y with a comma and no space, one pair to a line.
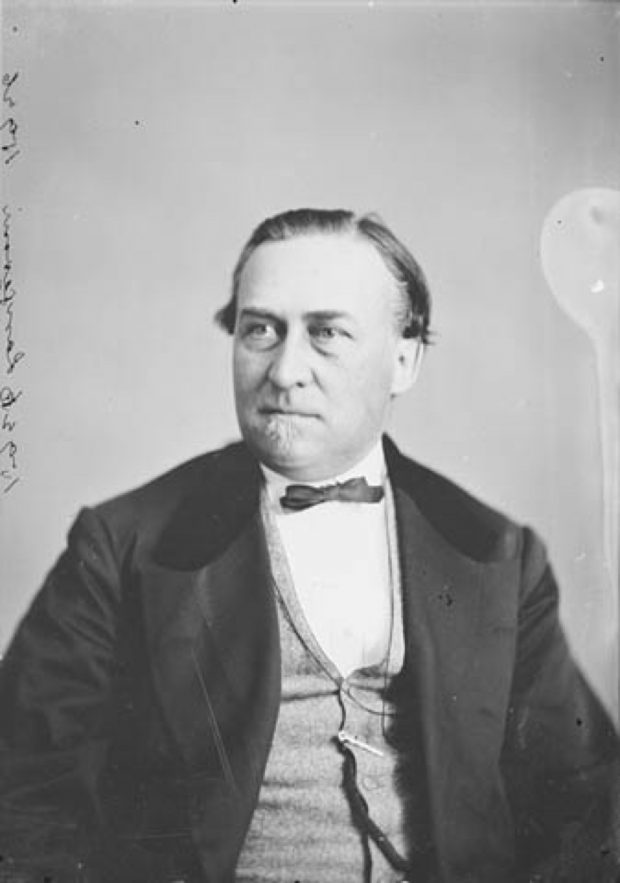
560,746
55,687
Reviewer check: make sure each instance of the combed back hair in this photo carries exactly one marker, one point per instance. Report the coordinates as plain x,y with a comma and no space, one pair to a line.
413,304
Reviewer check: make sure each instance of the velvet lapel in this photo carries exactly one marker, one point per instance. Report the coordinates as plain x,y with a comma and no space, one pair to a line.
459,619
214,646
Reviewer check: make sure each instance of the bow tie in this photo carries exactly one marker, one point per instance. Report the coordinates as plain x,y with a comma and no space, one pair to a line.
355,490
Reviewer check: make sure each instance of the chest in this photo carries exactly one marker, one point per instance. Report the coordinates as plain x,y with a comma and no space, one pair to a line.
340,564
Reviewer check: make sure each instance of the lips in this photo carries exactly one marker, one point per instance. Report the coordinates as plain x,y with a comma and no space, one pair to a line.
285,412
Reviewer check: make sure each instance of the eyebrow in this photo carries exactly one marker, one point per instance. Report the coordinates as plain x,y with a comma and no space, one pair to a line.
316,315
329,315
255,313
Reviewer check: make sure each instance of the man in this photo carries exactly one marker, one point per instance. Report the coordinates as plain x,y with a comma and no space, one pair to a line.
304,657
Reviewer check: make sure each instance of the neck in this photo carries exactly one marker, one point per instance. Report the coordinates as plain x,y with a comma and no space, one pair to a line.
371,467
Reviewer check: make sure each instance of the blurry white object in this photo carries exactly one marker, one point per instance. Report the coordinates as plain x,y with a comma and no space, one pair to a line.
580,253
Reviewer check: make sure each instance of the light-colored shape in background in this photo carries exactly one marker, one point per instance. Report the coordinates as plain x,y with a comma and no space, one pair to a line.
580,251
155,137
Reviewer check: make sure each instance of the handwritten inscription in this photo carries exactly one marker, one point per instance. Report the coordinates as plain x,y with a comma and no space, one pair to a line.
9,128
11,353
8,466
10,394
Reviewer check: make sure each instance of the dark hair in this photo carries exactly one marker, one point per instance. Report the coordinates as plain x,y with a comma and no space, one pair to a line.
414,311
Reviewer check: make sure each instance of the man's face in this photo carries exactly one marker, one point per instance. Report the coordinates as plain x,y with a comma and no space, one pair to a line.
317,356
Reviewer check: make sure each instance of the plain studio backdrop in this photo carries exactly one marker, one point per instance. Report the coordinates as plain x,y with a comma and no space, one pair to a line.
153,137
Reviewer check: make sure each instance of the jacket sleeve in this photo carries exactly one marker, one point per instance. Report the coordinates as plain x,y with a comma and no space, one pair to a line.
560,753
55,686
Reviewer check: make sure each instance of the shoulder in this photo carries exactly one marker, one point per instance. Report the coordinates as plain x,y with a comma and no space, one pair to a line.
181,479
471,526
148,507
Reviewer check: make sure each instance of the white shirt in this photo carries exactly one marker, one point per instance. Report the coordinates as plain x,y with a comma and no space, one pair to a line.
338,555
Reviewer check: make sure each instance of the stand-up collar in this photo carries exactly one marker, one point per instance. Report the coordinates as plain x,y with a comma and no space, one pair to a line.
372,467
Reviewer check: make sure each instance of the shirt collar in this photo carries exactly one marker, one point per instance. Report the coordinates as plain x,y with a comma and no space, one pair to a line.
371,467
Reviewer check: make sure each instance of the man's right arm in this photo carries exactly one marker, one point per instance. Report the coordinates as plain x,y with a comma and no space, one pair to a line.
55,687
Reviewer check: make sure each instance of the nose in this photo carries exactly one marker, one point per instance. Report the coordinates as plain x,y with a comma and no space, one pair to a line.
290,365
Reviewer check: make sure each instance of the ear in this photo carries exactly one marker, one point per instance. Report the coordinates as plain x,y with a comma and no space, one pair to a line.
409,353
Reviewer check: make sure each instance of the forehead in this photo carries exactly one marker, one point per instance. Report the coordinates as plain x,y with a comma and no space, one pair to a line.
316,272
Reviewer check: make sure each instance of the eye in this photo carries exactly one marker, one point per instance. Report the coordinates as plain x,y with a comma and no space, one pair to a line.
260,334
327,334
258,330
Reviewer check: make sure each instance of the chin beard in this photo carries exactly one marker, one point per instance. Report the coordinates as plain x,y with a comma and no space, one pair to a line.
281,432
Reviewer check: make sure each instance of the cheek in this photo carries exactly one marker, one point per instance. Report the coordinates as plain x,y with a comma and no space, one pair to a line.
371,376
359,395
373,389
247,371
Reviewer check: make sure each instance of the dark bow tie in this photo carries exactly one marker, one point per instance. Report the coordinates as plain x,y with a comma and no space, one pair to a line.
356,490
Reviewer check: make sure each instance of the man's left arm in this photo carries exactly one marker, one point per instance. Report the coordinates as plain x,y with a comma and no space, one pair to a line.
561,751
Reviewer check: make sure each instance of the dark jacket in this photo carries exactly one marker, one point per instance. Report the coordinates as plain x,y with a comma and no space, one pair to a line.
139,697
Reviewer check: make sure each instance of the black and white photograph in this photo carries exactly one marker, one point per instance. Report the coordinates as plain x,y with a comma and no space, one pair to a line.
310,441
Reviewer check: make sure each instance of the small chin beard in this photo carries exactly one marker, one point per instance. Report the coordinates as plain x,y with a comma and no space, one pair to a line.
281,433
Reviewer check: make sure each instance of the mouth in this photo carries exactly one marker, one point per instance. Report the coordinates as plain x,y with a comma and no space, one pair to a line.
285,412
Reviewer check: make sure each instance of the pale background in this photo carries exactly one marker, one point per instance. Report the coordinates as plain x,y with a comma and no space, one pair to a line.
155,136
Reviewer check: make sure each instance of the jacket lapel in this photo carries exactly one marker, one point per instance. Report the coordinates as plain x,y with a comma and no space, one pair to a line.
212,630
214,646
459,620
